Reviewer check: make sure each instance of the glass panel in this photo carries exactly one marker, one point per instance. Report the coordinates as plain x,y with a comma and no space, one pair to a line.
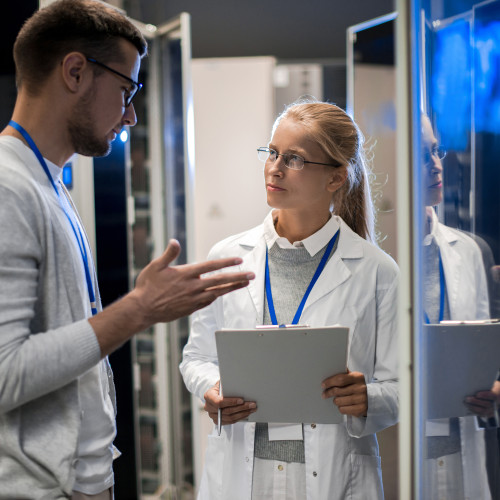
457,247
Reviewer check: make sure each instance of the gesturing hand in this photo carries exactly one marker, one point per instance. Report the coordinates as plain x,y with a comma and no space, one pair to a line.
164,293
349,391
170,292
233,409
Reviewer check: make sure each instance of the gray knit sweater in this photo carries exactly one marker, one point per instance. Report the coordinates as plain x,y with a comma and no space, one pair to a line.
291,271
46,343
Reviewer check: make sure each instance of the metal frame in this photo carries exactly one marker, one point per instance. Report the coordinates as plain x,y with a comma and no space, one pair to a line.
351,38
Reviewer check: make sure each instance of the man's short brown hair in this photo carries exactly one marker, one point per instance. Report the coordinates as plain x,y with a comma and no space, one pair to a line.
87,26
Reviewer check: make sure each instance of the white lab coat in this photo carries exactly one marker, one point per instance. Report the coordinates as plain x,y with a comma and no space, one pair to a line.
464,272
467,293
358,289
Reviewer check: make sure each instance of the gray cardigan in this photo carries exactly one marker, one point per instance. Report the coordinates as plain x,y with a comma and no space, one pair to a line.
46,342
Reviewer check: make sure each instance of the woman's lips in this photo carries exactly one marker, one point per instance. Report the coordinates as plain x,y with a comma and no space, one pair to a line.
273,187
437,185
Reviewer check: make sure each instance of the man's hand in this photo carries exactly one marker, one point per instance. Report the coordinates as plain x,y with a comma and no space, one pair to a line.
233,409
169,292
349,391
164,293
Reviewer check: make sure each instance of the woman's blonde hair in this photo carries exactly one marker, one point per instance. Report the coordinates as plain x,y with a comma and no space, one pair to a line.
340,138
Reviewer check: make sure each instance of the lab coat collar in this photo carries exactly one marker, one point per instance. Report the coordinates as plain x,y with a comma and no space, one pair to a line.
313,244
349,246
439,231
452,260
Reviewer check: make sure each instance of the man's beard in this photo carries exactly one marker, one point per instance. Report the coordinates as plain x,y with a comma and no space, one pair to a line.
81,130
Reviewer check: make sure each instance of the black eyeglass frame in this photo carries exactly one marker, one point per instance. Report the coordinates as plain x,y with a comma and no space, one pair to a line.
136,85
286,158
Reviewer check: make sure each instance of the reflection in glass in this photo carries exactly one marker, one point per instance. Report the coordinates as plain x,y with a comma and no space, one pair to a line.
454,288
458,110
459,247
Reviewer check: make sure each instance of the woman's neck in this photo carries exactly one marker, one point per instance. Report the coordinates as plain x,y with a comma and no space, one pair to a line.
427,220
298,226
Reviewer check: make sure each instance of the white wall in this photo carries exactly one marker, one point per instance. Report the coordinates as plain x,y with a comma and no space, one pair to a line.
234,110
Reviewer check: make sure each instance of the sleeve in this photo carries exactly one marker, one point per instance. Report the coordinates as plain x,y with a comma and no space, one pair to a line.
32,363
382,389
482,295
199,366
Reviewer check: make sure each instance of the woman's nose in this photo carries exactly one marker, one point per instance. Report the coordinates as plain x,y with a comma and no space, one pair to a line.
436,165
278,165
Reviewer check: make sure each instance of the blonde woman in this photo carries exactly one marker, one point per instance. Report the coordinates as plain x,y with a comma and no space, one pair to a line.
321,221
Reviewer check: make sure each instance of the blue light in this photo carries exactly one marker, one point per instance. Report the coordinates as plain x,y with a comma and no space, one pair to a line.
451,84
67,175
124,136
487,117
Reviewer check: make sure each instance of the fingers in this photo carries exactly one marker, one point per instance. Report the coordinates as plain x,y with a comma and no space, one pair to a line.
354,410
213,265
213,282
343,380
205,296
483,403
231,415
349,392
487,395
170,254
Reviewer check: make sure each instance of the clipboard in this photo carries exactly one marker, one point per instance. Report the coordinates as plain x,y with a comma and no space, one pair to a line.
281,369
461,359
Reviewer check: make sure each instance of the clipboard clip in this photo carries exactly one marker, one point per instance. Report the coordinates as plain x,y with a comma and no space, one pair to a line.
274,327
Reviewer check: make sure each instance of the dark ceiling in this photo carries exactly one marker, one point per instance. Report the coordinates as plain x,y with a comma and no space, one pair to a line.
286,29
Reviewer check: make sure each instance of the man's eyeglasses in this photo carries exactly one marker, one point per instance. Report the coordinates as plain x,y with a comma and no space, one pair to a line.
136,86
435,153
294,162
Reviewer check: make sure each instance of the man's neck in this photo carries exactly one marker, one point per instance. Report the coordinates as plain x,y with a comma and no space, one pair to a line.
45,128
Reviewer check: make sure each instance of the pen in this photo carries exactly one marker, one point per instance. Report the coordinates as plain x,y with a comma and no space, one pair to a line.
219,412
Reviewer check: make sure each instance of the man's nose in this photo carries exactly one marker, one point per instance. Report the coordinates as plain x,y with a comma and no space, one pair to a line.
129,117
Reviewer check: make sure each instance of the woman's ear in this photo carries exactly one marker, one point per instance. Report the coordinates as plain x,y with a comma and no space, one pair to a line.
337,178
73,69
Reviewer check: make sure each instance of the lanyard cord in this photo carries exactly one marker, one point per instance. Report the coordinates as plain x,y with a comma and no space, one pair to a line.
78,235
442,290
319,270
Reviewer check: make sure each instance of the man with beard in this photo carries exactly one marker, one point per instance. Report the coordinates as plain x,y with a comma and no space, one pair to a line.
77,65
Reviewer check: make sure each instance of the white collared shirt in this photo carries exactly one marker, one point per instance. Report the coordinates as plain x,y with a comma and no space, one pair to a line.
313,244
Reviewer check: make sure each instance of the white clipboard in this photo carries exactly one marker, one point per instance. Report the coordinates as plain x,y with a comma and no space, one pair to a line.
281,369
460,360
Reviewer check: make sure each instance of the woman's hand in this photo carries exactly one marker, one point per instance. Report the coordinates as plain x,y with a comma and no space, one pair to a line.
349,393
485,403
232,409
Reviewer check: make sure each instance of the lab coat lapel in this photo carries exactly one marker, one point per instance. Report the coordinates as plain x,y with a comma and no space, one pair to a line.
336,272
452,264
255,261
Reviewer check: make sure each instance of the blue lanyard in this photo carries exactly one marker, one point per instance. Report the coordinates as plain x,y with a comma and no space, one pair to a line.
319,270
78,235
442,291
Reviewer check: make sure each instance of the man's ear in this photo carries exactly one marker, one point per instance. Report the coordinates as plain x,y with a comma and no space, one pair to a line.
74,65
337,178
